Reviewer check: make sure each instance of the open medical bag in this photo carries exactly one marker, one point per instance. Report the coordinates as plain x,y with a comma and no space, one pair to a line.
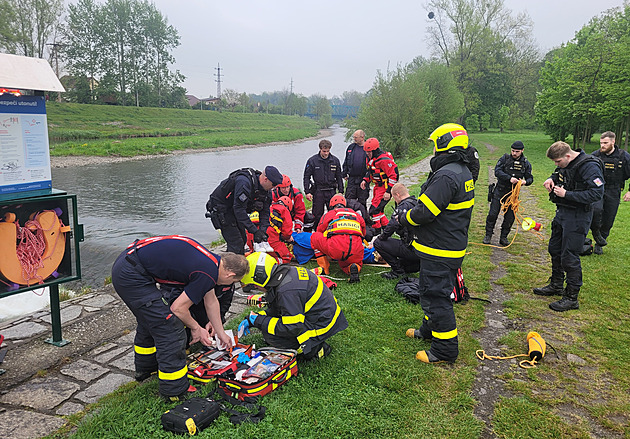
204,366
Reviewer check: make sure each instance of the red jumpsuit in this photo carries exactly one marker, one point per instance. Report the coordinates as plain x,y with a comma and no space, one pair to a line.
299,209
383,171
281,228
254,217
340,236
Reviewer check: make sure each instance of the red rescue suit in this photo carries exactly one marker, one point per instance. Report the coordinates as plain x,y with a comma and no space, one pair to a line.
280,231
340,236
383,171
299,209
255,219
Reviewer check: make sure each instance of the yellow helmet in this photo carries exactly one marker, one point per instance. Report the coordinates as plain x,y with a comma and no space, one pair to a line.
260,268
448,136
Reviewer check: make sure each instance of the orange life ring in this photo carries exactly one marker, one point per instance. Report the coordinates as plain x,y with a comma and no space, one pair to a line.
55,244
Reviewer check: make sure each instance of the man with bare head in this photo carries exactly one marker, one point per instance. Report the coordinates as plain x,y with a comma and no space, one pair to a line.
354,169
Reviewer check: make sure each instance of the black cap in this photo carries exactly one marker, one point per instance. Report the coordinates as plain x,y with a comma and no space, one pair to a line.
272,173
518,145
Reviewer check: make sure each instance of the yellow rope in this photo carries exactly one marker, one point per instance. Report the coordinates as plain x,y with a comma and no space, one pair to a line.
481,354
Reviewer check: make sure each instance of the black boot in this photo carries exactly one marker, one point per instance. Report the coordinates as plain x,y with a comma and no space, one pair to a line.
568,300
599,239
553,288
503,241
487,239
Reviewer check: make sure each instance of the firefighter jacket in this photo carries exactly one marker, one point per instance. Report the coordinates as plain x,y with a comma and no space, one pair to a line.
322,174
382,170
440,220
242,193
299,209
395,227
355,163
583,179
342,221
616,168
280,220
508,167
300,307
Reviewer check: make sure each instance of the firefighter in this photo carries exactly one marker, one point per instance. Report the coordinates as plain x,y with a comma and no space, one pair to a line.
383,171
354,169
299,209
616,172
440,225
575,185
301,311
509,170
340,236
398,253
243,192
281,228
160,341
322,179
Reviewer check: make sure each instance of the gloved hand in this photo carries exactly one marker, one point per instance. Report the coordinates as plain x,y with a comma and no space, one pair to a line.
243,327
260,236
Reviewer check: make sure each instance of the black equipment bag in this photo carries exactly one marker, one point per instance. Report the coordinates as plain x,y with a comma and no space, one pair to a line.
191,416
409,288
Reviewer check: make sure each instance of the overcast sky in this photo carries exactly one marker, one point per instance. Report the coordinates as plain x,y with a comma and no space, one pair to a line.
325,46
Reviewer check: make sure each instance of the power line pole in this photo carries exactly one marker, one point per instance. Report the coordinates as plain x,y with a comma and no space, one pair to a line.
291,85
55,48
218,80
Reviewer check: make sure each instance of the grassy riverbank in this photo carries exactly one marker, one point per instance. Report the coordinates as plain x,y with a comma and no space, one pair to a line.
372,387
98,130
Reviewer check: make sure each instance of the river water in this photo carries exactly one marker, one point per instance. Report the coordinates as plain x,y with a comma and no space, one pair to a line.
119,202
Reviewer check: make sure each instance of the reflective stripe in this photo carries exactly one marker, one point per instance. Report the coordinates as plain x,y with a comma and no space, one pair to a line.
430,205
257,389
271,327
409,220
426,317
437,252
315,297
462,205
292,320
172,376
262,312
445,335
144,351
315,332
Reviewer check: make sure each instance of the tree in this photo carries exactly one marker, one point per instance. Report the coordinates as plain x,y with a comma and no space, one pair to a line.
33,21
504,117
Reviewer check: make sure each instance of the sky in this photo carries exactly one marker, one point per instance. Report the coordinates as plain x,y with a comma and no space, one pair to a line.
325,46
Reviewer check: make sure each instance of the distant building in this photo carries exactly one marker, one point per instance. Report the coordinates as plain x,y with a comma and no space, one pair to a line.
193,101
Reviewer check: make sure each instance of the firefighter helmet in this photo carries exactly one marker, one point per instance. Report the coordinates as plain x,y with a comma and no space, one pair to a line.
371,144
337,199
260,267
286,181
287,202
448,136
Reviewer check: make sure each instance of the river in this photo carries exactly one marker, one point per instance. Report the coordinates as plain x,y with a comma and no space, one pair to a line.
119,202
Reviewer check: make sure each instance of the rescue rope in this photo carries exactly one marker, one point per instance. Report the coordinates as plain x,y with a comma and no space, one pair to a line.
481,354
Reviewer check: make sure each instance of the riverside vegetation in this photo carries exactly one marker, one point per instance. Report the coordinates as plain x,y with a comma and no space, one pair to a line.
372,386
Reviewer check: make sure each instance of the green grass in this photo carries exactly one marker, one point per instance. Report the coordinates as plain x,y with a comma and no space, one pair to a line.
98,130
371,385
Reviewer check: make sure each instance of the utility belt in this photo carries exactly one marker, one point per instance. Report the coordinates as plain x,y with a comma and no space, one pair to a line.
216,216
324,188
568,205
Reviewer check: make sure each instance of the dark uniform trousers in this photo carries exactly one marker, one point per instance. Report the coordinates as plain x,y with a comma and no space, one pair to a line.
437,281
321,198
354,191
493,214
399,256
160,342
605,211
568,231
233,233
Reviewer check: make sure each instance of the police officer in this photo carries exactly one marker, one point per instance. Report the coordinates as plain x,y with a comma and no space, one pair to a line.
243,192
440,225
509,170
301,311
398,253
354,169
160,341
575,185
616,172
322,179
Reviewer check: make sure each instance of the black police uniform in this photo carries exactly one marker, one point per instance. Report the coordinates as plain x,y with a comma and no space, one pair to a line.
473,162
301,311
354,168
506,168
231,203
172,261
322,179
398,253
616,172
584,181
440,224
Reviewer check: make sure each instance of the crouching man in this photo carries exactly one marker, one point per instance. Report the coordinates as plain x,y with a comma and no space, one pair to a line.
301,311
163,313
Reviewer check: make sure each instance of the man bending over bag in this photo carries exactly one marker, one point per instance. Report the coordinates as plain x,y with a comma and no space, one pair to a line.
301,311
